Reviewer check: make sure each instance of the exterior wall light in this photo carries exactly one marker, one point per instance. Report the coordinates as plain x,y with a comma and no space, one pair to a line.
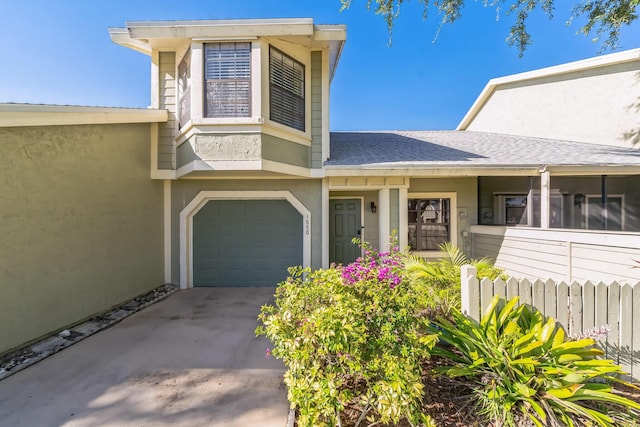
374,208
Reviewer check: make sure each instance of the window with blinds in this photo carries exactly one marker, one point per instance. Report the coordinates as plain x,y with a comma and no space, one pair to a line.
286,81
184,89
227,79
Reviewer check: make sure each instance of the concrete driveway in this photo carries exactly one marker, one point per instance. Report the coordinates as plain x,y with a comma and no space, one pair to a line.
190,360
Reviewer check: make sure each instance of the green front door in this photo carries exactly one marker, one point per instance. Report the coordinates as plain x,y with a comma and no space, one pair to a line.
345,223
245,242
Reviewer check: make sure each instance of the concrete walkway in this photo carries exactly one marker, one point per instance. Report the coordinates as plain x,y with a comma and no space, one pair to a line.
190,360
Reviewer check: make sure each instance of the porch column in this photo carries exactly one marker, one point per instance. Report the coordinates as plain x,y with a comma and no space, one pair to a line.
403,229
384,219
325,223
545,200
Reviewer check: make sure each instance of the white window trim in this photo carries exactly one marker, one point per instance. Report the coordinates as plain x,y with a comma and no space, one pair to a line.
198,86
198,202
453,197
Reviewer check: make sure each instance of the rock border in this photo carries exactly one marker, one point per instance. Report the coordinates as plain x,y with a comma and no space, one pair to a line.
22,358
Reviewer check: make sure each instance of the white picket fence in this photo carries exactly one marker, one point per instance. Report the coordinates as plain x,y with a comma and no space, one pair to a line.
578,307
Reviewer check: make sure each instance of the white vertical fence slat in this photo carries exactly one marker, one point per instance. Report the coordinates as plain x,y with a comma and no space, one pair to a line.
524,290
512,287
575,308
562,305
601,317
486,292
550,302
626,326
499,288
613,319
588,306
538,295
578,307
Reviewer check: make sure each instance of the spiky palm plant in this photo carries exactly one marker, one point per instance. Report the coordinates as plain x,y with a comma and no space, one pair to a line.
441,278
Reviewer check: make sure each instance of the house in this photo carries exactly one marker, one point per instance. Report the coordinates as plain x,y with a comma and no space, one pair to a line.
233,175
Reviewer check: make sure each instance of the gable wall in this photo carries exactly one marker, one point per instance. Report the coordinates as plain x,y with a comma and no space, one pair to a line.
595,106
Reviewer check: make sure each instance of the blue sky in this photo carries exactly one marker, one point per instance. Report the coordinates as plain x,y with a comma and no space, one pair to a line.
59,52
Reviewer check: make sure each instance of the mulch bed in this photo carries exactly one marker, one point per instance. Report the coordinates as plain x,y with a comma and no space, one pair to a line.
450,402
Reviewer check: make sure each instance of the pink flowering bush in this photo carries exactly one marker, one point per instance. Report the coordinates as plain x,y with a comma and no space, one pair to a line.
351,336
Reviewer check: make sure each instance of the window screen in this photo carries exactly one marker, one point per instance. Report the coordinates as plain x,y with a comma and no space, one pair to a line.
228,79
286,77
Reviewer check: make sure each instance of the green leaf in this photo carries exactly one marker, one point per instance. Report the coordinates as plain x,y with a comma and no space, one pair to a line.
547,330
529,347
558,337
573,378
569,357
569,345
565,392
524,390
507,310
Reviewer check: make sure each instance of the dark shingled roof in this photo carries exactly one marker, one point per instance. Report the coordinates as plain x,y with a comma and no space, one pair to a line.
424,149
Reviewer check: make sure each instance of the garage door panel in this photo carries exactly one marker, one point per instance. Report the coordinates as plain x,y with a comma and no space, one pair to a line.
245,242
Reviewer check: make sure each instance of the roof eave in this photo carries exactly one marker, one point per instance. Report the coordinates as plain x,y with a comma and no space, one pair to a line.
16,115
480,170
122,37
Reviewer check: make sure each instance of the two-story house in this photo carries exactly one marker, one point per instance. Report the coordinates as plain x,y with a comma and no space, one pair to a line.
243,150
232,175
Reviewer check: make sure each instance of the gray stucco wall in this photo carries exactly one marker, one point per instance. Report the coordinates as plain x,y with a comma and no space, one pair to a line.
242,147
308,192
81,225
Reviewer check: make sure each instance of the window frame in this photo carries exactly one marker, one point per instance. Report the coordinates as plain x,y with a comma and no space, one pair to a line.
453,218
301,83
249,78
185,94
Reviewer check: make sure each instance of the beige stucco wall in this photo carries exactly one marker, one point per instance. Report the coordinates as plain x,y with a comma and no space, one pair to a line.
595,106
81,225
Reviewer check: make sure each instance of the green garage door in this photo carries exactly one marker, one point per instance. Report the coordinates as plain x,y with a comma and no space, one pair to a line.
245,242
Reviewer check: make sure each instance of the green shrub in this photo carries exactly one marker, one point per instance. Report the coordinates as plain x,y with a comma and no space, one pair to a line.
351,335
440,280
523,367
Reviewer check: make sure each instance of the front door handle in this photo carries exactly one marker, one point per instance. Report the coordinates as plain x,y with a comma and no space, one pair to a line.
360,231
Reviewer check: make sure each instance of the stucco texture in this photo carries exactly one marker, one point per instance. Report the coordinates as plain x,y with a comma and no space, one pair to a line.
81,225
